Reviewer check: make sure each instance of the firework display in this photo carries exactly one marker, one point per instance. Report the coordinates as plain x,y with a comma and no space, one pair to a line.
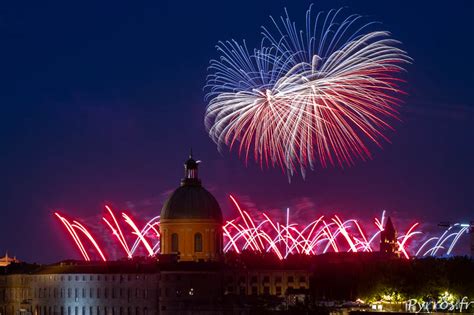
436,245
319,236
320,94
260,232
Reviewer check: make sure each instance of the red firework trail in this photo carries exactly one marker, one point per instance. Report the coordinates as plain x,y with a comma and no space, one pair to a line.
317,237
77,227
259,232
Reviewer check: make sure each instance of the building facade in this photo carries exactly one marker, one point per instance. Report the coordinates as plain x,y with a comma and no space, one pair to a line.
126,288
70,289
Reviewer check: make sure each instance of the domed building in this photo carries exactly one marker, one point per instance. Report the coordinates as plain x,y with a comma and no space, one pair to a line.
191,220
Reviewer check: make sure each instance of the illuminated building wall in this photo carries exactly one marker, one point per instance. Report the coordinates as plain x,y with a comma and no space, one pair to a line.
89,289
15,291
94,294
79,294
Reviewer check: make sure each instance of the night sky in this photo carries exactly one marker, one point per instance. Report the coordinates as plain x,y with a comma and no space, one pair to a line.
100,103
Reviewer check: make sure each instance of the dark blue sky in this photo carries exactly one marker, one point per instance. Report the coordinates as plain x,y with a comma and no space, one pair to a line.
101,102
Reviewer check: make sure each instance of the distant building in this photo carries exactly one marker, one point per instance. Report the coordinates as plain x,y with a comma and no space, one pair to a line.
388,239
5,260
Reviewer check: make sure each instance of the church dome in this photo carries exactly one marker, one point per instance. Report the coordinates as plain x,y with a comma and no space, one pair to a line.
191,200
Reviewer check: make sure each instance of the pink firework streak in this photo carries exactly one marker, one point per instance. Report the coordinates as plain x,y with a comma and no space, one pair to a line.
258,232
320,236
148,236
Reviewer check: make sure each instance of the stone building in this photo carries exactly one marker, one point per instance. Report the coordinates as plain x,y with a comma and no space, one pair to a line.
6,260
80,288
130,288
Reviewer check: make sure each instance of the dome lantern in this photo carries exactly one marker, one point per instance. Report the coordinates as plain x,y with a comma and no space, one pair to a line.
191,172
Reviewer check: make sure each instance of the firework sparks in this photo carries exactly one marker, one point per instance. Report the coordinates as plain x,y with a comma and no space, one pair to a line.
260,232
317,237
75,227
322,93
446,241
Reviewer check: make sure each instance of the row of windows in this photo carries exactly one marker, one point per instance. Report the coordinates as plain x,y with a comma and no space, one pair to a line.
5,279
13,293
254,290
91,310
266,279
197,242
91,293
120,278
